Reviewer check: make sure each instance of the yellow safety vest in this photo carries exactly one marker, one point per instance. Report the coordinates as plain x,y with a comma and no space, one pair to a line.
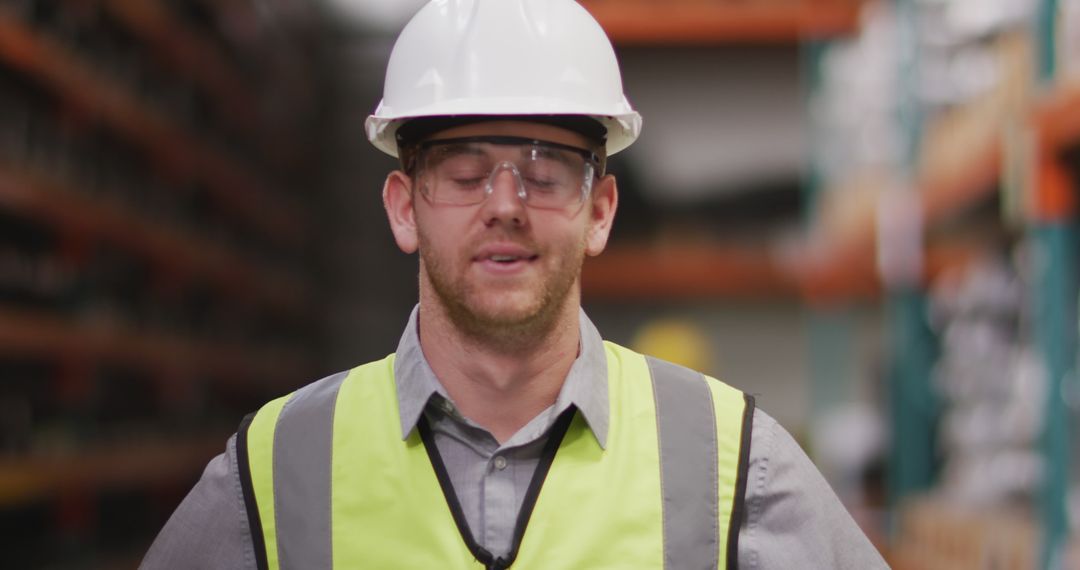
328,481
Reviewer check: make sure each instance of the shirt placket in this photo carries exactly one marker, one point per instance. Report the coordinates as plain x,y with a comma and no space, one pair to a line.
494,490
500,500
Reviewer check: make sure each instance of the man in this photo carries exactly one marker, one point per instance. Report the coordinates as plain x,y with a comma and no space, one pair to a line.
504,432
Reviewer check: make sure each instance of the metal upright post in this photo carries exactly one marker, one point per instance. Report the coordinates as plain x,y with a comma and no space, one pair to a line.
913,347
1054,237
1055,288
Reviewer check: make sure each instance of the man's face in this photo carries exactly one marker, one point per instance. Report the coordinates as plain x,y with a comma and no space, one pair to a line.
503,265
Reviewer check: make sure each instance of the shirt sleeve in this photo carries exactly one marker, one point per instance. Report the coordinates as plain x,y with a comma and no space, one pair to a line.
793,519
209,529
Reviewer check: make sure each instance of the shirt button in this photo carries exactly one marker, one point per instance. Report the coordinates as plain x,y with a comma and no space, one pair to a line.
500,463
446,406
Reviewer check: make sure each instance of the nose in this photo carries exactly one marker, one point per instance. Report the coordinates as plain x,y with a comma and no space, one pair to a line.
505,202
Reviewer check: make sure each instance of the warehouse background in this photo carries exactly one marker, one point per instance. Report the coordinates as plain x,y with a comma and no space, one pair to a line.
863,212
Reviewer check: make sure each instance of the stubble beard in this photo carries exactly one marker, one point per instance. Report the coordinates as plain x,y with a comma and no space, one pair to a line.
505,329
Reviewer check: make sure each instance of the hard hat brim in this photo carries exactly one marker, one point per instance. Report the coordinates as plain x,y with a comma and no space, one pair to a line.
381,127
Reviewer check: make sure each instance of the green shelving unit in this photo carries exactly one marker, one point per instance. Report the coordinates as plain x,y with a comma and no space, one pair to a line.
1054,239
913,402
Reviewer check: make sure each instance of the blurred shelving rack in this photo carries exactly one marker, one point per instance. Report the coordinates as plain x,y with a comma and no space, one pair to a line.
839,264
841,268
172,144
155,277
1042,150
688,271
34,195
182,49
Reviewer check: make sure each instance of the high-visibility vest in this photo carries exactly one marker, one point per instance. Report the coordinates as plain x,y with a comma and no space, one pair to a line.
329,482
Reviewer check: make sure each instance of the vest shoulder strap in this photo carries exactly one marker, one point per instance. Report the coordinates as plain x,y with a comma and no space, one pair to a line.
302,424
243,467
704,429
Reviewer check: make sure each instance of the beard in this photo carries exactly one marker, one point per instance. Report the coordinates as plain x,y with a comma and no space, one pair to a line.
512,318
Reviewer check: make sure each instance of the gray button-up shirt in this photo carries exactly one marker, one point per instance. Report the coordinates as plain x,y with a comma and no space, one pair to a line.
792,518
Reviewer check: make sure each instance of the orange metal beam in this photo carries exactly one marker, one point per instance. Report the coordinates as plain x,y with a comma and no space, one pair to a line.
1055,192
723,21
1057,122
24,332
139,462
686,272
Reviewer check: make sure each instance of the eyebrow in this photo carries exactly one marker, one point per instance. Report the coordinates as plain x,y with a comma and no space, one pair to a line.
446,152
456,149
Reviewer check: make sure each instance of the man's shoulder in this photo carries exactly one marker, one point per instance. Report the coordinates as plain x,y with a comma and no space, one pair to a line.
764,432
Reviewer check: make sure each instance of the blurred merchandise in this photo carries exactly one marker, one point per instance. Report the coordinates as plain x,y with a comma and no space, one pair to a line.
948,135
855,104
1068,41
993,384
938,535
970,82
849,440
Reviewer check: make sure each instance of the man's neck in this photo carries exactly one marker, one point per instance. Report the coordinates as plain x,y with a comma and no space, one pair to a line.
499,388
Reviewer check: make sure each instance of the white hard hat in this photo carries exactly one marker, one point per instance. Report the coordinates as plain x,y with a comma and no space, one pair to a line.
503,58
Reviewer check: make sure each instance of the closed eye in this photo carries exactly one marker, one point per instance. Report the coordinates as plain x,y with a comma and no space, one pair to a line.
540,184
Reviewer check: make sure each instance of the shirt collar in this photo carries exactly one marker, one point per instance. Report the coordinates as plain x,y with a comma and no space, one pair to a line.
586,385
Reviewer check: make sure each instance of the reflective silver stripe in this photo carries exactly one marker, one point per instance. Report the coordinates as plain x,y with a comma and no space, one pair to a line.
686,420
302,460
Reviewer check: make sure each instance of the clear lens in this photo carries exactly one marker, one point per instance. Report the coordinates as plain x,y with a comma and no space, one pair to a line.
463,173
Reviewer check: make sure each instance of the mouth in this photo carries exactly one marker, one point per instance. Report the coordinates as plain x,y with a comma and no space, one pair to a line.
505,258
509,259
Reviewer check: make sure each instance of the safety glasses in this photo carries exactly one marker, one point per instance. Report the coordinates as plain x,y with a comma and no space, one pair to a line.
463,171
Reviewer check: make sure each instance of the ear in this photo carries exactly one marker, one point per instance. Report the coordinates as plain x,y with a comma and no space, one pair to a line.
602,206
398,201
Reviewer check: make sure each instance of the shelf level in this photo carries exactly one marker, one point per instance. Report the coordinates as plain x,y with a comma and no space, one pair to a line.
236,189
73,213
844,269
685,22
850,267
30,333
691,272
140,463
